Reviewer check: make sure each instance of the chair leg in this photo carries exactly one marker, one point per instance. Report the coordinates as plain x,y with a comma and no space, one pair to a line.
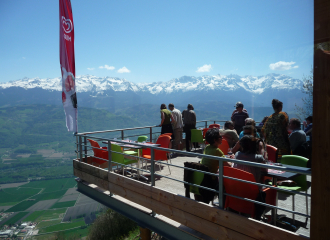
293,220
306,207
169,167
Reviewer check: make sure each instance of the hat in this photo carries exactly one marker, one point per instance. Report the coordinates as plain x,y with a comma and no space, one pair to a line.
309,118
239,104
190,106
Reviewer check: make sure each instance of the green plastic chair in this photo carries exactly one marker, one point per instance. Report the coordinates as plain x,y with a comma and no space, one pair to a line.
142,138
135,152
119,158
301,180
197,136
197,179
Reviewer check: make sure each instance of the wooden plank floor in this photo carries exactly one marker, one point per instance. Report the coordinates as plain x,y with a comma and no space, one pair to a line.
284,200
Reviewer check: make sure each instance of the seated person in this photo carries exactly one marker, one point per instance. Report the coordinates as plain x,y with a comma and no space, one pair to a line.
249,153
249,130
229,133
250,122
308,126
214,139
297,136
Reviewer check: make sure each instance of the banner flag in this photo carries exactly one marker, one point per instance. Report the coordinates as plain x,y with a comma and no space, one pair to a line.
67,61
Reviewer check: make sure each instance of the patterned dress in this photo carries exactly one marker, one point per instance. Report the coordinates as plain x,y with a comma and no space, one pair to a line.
275,132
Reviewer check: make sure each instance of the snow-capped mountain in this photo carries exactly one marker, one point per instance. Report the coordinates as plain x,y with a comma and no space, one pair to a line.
115,94
90,83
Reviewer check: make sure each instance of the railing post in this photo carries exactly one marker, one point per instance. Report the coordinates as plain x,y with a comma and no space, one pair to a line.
206,124
109,157
152,167
122,134
85,148
150,134
80,149
220,184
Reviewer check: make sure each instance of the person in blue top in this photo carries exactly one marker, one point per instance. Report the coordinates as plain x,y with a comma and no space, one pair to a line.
249,122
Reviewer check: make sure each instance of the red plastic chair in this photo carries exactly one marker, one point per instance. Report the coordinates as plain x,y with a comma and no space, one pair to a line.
159,154
244,190
99,152
224,146
214,125
272,153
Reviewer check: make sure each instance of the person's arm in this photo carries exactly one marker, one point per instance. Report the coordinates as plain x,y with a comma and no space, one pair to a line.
236,148
162,115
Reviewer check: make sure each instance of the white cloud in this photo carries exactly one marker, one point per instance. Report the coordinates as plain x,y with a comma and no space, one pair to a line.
90,69
123,70
282,66
24,57
107,67
205,68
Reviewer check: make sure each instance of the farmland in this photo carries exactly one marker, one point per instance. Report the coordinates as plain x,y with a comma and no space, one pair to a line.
46,203
14,218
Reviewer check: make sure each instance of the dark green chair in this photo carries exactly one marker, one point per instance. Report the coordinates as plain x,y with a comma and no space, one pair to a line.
301,180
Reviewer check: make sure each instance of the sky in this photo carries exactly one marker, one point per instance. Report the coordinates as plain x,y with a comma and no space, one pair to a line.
151,41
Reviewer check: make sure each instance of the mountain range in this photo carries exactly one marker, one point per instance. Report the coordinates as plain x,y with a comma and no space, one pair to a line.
217,93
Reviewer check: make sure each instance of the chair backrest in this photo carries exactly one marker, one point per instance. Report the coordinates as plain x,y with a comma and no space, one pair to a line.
196,135
98,152
298,161
272,153
116,157
224,146
142,138
240,189
164,143
214,125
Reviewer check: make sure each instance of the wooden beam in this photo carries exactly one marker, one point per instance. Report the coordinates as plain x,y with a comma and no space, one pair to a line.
250,227
186,211
320,209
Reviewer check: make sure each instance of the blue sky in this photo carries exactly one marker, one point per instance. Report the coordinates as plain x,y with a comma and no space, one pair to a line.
147,41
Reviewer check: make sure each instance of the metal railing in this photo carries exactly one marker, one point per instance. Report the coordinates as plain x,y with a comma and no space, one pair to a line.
84,148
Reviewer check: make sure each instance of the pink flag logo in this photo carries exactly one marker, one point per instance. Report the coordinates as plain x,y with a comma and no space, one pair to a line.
67,25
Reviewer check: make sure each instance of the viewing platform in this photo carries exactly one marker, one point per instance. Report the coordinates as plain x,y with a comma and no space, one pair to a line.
152,193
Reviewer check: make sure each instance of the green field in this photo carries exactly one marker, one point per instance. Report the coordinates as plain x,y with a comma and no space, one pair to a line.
17,194
38,216
49,195
62,226
77,232
48,223
32,217
52,185
15,218
63,204
21,206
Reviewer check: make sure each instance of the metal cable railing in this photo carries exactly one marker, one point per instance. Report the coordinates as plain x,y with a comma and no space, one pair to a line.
83,148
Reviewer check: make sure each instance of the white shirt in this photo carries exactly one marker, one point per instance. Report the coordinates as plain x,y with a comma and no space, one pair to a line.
178,118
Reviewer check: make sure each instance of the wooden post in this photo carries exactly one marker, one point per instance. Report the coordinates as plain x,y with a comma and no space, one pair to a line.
145,234
320,211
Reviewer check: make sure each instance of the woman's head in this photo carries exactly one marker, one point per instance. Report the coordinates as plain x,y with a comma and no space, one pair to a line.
212,136
277,105
163,106
248,144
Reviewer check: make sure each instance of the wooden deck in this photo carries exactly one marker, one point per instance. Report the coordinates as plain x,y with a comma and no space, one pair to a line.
167,198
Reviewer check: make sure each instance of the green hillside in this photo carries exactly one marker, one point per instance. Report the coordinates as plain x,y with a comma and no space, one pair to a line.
32,126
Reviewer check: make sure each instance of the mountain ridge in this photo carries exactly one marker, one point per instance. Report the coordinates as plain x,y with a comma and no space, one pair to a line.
90,83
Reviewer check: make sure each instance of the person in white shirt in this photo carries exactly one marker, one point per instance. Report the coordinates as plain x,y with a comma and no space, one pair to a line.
177,127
